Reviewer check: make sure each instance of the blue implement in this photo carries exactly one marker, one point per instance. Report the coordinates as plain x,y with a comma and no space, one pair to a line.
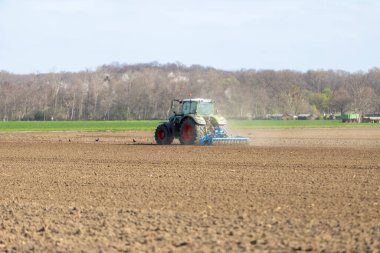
220,137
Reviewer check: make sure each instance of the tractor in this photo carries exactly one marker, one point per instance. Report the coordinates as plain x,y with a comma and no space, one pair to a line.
196,122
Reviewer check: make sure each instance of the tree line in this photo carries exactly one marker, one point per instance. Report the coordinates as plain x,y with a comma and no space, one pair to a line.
144,91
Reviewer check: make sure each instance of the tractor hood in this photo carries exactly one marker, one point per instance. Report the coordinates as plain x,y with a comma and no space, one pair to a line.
215,120
220,120
198,119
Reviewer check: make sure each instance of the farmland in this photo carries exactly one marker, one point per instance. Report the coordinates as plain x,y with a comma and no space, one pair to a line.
309,189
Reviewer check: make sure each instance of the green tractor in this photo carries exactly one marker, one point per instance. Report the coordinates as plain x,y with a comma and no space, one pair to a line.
196,122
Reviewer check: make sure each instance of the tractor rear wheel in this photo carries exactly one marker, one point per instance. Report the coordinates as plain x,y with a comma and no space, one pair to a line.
190,132
163,135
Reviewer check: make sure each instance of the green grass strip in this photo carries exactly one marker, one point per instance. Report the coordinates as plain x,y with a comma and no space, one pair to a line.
289,124
150,125
81,126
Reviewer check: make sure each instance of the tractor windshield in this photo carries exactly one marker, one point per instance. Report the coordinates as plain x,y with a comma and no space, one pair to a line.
205,108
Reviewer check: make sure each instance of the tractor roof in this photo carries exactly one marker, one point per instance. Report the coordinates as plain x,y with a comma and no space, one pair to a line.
206,100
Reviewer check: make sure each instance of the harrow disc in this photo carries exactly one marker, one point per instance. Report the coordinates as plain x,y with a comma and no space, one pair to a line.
209,140
230,140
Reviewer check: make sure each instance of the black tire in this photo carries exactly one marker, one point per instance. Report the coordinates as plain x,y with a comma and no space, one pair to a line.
163,135
190,133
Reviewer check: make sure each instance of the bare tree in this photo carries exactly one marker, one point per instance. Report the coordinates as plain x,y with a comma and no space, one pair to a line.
341,100
363,96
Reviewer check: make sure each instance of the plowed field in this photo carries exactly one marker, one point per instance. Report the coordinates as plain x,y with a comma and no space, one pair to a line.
289,190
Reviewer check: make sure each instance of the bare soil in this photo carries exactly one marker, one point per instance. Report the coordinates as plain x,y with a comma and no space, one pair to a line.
312,190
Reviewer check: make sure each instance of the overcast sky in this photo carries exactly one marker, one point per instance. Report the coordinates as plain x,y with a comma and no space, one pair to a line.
73,35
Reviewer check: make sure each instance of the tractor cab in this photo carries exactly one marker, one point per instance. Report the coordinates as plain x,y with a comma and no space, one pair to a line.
204,107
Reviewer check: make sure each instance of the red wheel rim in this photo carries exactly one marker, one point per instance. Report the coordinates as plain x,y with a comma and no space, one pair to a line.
161,134
187,132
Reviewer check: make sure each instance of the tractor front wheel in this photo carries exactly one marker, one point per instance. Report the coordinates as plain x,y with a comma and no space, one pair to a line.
190,132
163,135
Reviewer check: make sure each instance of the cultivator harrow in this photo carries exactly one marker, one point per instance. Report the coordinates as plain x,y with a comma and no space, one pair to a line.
219,136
